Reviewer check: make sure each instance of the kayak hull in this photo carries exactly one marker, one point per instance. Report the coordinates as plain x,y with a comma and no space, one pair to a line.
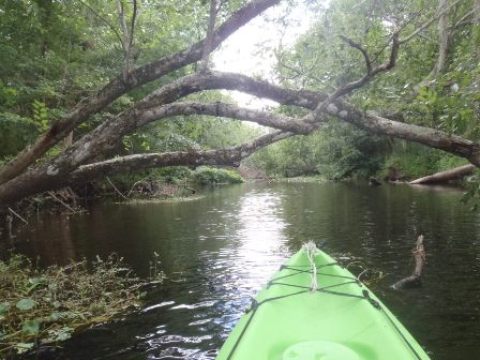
340,320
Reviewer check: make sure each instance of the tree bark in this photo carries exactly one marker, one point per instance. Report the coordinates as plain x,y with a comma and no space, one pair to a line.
446,176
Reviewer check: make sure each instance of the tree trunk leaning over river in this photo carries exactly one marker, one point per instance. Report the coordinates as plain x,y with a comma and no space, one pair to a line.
446,176
30,172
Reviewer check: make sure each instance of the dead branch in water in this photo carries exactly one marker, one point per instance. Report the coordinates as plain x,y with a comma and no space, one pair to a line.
414,280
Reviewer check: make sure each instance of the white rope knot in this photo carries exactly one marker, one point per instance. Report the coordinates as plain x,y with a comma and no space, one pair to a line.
311,250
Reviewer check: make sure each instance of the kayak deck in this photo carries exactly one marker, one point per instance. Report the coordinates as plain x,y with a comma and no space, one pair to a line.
341,320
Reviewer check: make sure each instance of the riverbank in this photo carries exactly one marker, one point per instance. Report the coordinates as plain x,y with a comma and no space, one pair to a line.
168,184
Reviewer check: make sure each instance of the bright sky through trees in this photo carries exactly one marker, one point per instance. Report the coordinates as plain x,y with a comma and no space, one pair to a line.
251,50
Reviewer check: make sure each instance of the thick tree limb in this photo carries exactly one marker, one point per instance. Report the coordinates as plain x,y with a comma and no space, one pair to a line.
447,175
56,172
423,135
222,157
219,109
443,32
121,85
106,136
23,186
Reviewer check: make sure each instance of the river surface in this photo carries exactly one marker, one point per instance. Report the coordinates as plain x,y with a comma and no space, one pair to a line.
219,250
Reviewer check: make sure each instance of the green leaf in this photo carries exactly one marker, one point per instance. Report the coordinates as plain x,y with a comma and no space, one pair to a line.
64,334
25,304
31,327
23,347
4,307
36,282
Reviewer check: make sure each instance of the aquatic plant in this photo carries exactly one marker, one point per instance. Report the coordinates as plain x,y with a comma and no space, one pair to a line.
46,306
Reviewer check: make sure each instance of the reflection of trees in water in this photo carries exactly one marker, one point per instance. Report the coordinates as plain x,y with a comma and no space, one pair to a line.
371,221
51,239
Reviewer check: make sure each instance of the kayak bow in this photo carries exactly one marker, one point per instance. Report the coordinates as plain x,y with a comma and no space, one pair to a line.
329,316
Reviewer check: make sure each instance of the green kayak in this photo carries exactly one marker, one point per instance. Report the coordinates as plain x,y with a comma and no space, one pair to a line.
330,316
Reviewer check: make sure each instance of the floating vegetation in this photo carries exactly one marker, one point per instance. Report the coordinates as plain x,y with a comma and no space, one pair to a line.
161,201
46,306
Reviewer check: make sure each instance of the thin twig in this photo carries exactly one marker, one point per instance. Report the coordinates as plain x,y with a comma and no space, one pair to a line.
103,19
52,194
465,17
361,49
115,188
428,23
18,215
135,184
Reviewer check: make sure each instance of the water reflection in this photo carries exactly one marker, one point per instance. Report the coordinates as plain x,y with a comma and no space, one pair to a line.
219,250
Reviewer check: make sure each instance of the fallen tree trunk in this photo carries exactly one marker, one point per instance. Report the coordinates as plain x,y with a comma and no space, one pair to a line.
414,280
446,176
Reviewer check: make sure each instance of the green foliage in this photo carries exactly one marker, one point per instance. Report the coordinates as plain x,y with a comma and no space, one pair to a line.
321,60
414,161
214,176
54,53
472,195
337,151
47,305
15,133
175,174
40,114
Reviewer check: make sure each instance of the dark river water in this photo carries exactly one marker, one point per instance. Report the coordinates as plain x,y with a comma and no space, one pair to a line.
219,250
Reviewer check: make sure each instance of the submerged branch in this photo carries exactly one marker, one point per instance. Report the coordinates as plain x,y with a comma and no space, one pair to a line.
419,256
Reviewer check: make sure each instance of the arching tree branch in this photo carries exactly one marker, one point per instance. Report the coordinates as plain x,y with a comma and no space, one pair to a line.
122,85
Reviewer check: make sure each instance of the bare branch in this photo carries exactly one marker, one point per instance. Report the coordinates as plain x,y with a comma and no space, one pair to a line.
462,20
221,157
348,88
361,49
128,36
220,109
105,21
428,23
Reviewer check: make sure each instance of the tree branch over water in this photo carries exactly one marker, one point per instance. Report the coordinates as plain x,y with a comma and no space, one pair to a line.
87,158
121,85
